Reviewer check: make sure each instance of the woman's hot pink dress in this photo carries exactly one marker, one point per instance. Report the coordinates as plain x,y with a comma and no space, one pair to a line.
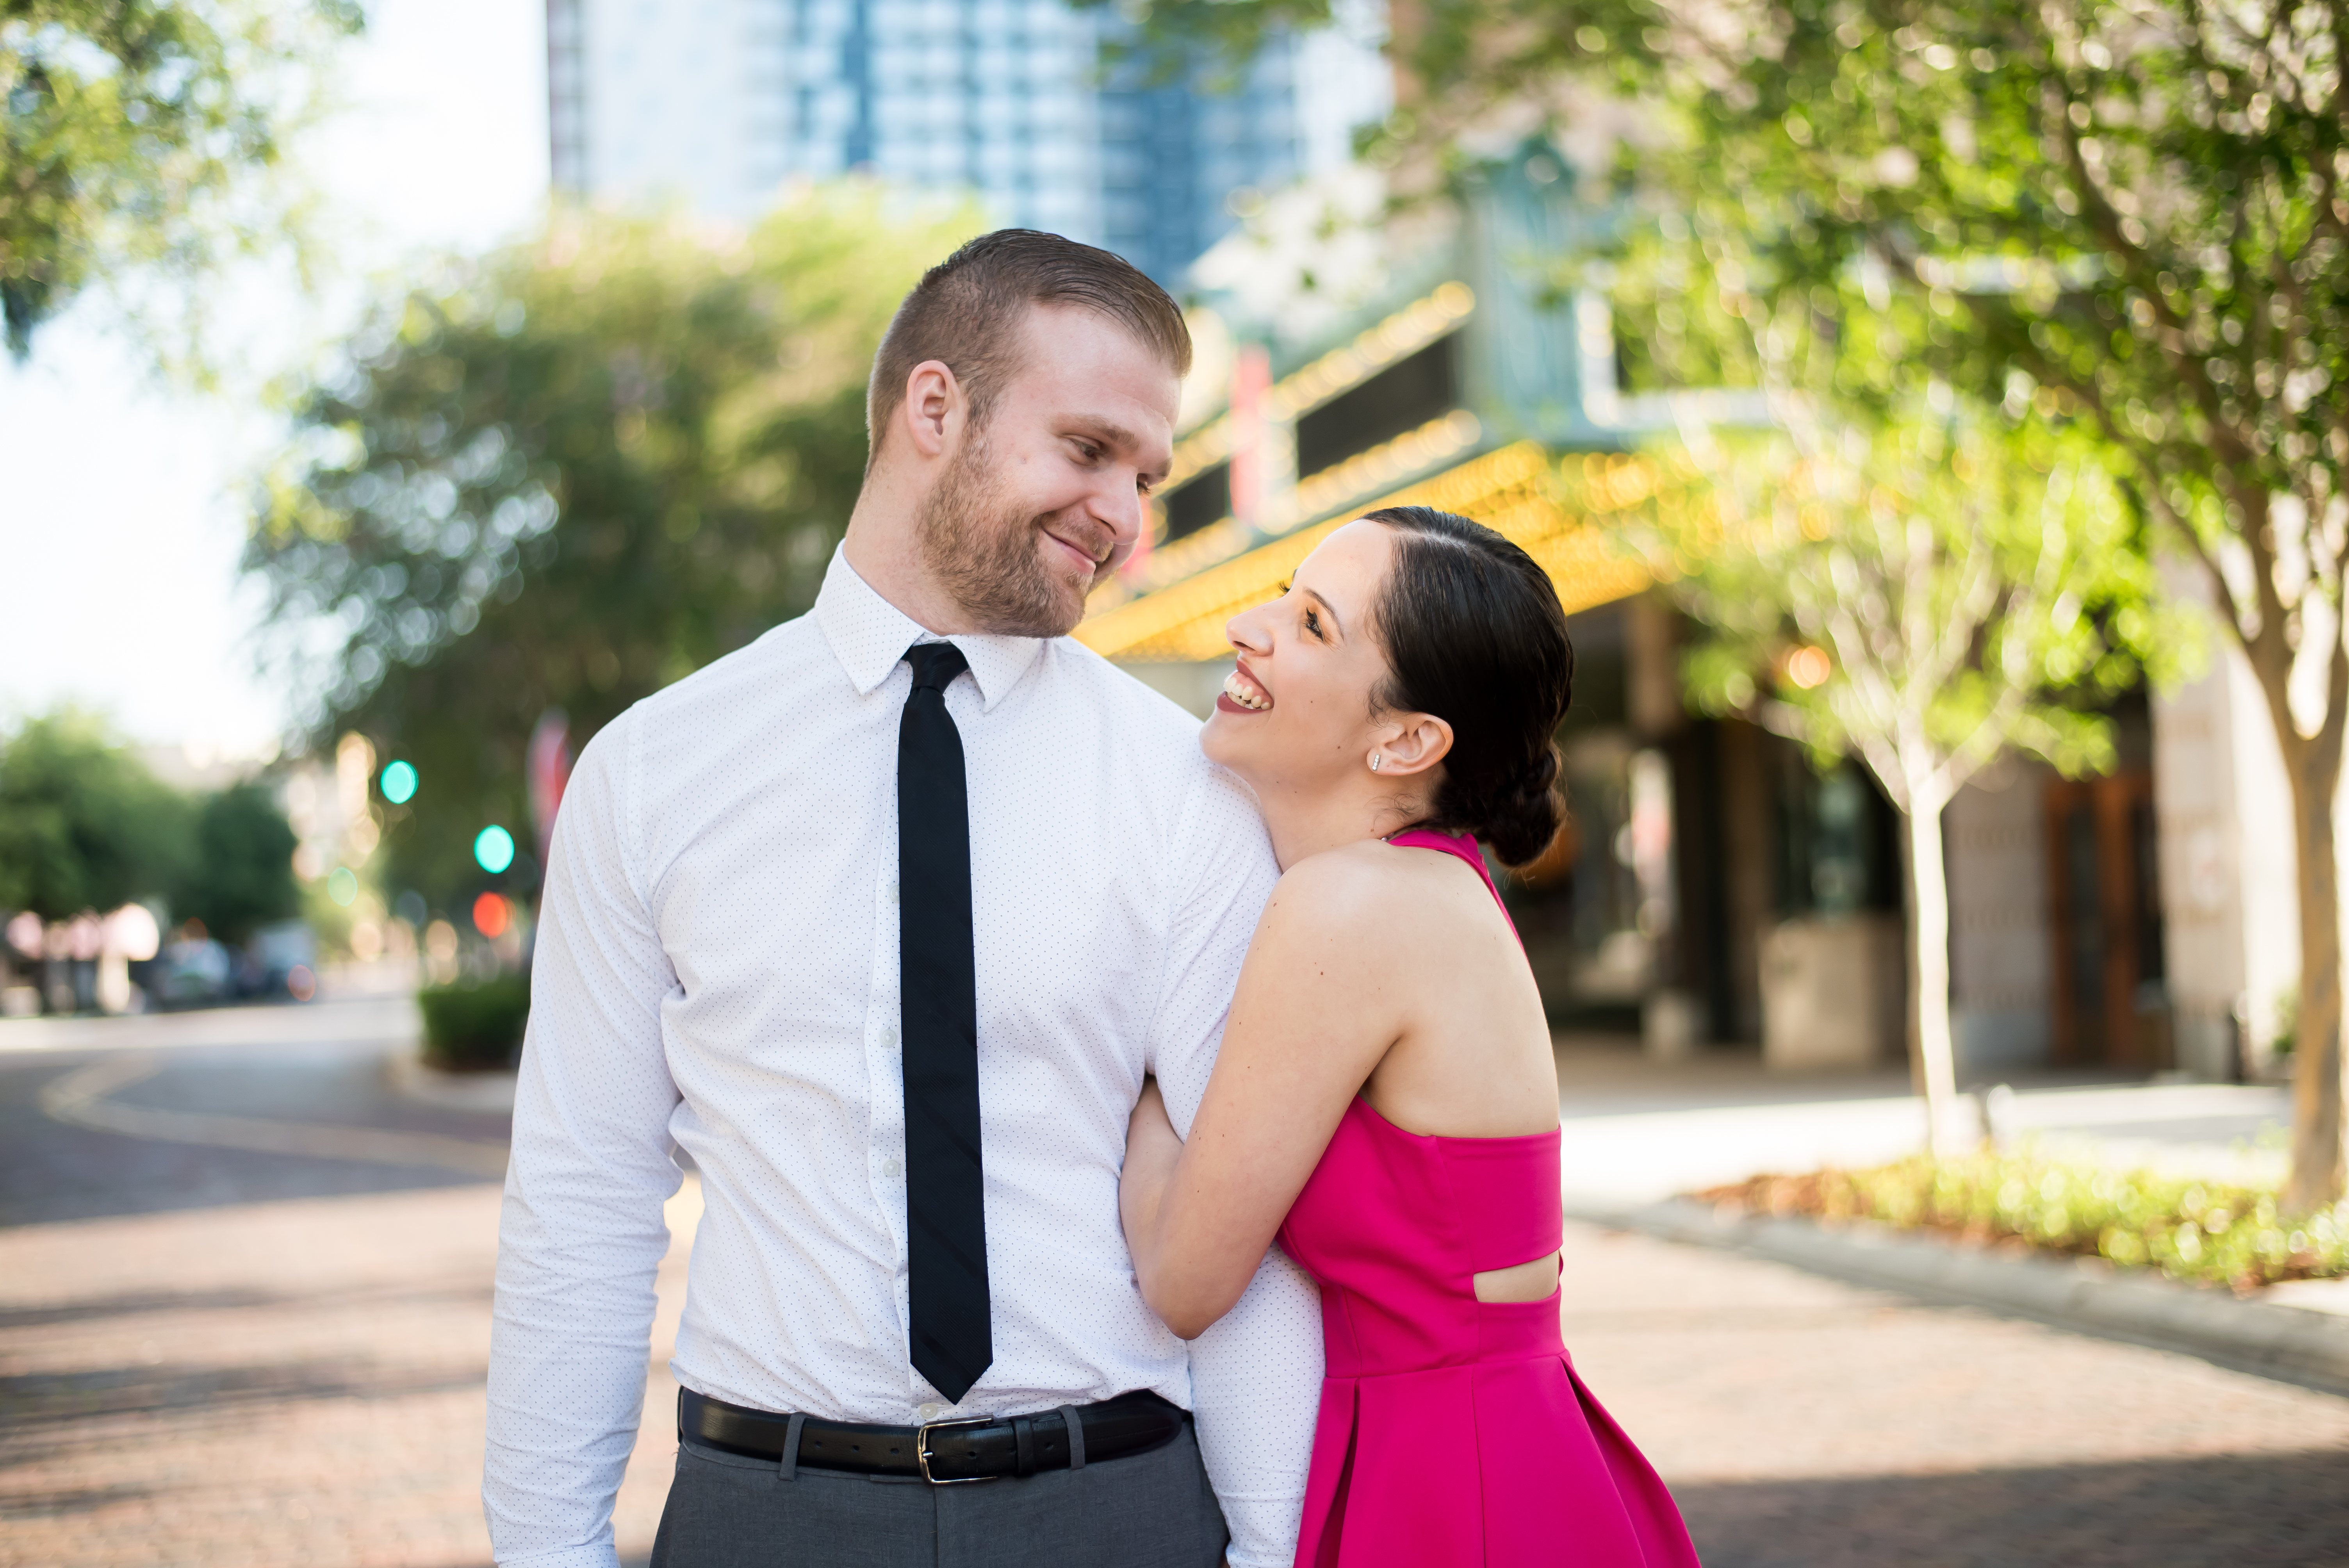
1454,1431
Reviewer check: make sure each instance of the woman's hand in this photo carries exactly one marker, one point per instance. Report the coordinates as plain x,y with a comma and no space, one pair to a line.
1151,1152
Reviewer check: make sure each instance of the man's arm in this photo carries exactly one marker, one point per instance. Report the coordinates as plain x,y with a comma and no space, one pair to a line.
582,1234
1256,1376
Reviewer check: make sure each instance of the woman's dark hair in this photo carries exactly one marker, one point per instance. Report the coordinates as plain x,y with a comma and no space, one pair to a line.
1474,635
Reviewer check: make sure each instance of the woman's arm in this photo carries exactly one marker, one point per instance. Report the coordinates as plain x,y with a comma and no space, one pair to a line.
1321,997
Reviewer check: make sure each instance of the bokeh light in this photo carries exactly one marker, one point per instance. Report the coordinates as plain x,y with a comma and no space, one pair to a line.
342,885
493,849
397,781
1807,667
131,932
24,934
491,915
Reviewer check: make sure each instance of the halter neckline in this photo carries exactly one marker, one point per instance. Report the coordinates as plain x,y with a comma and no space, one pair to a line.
1464,847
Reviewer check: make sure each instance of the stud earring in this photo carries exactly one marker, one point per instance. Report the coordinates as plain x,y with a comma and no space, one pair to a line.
1376,758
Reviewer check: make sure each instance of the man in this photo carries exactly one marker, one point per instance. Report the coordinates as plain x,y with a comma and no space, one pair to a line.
881,921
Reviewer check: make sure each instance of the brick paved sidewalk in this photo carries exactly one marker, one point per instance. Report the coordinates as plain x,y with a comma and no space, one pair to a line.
300,1383
288,1383
1806,1422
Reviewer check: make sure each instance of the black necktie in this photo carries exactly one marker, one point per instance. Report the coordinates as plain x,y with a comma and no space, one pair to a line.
946,1200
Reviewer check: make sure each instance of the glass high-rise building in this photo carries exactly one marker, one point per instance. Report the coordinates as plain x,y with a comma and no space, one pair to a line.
720,102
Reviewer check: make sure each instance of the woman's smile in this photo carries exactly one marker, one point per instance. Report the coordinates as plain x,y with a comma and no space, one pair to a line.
1243,693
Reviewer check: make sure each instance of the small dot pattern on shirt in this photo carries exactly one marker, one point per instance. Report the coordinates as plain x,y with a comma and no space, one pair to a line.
718,966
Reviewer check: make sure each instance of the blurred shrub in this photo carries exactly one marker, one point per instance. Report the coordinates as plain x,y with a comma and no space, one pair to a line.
565,475
474,1027
2206,1233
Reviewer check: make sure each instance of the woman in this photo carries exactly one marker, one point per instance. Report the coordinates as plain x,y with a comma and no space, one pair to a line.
1385,1098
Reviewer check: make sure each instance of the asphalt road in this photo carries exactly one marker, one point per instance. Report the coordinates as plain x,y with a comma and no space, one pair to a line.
242,1063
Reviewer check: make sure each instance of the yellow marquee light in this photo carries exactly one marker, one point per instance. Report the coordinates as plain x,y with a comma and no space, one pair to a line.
1208,446
1362,474
1555,513
1414,327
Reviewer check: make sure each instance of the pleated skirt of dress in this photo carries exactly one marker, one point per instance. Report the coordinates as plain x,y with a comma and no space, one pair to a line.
1493,1464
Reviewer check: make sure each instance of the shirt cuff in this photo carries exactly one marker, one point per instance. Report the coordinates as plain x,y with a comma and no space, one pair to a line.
603,1554
1263,1528
1235,1558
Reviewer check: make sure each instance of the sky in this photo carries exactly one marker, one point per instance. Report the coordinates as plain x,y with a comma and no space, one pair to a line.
121,517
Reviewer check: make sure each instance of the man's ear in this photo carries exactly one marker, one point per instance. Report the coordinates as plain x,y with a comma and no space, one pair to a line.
933,408
1420,741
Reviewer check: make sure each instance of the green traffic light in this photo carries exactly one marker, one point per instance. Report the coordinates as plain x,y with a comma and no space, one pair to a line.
399,782
493,849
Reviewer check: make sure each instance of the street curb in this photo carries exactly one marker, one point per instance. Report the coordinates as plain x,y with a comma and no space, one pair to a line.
492,1090
391,1021
85,1097
2290,1343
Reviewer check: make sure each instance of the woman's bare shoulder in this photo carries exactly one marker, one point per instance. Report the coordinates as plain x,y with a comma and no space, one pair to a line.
1346,874
1331,959
1361,890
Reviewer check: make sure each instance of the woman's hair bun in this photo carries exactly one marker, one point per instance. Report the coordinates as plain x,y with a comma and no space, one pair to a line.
1474,635
1522,820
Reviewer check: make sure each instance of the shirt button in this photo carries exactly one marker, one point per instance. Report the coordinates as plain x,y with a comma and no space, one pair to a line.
891,892
930,1410
893,1166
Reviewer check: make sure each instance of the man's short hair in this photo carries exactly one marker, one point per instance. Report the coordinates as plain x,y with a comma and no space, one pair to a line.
965,314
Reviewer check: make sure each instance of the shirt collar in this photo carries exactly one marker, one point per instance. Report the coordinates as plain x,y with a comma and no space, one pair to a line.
869,636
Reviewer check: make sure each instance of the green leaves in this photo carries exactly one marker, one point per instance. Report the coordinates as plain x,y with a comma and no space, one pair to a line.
566,475
83,824
241,874
140,141
1925,593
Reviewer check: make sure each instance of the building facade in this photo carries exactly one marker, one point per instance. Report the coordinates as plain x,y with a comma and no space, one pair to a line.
1713,886
1028,104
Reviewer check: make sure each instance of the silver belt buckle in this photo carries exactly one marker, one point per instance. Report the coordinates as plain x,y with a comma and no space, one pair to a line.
922,1450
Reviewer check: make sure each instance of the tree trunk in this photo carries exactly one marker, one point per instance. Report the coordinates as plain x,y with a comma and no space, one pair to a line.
2316,1101
1929,972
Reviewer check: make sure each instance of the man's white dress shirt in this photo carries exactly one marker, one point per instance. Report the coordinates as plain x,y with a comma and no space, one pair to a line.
717,967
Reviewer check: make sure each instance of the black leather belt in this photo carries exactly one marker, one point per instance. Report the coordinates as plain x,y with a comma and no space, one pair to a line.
942,1453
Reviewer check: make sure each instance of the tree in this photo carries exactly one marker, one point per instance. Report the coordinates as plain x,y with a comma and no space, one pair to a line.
241,869
566,475
84,826
140,141
1927,594
2130,214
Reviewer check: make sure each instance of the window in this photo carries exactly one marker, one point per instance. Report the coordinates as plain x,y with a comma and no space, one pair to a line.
1205,498
1404,396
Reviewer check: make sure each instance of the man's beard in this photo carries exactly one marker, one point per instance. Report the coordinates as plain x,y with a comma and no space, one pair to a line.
984,550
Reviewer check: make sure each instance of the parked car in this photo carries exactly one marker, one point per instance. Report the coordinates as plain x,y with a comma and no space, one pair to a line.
194,971
281,960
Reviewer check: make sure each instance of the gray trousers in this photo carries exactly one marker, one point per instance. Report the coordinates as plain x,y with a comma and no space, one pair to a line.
1147,1511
